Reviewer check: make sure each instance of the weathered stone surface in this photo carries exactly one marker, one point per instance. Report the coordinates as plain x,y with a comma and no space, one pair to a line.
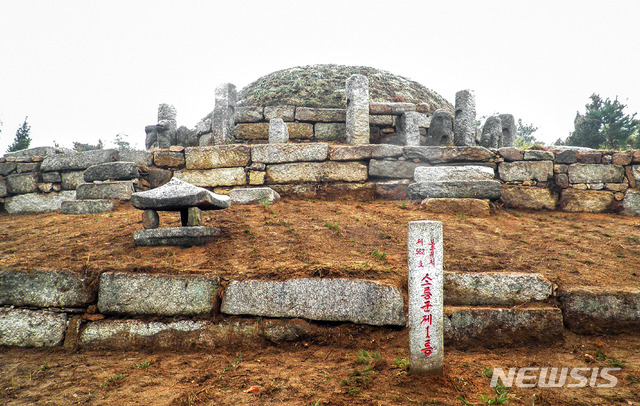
392,190
178,195
362,152
596,310
143,158
219,156
479,189
51,177
470,207
155,295
622,158
78,161
278,131
466,327
112,171
3,187
213,177
357,119
357,301
437,155
22,183
407,129
494,288
511,154
224,111
464,123
254,195
37,203
86,206
317,172
521,171
71,180
390,108
566,156
175,236
631,203
37,152
594,173
168,159
589,157
492,133
186,137
524,197
31,328
250,114
167,133
592,201
280,153
257,178
330,131
393,169
117,190
286,113
441,128
42,187
24,167
151,136
450,173
157,177
538,155
44,289
6,168
321,115
150,219
260,131
508,130
382,121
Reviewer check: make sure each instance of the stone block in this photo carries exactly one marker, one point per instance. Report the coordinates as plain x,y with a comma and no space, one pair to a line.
51,177
254,196
155,295
525,197
330,131
598,310
22,183
71,180
175,236
286,113
441,128
444,173
320,115
150,219
168,159
278,131
31,328
392,190
317,172
363,152
538,155
492,133
631,203
396,109
218,156
622,158
257,178
37,203
382,121
117,190
36,152
24,167
464,122
436,155
112,171
589,157
595,173
86,206
357,301
511,154
562,180
280,153
142,158
44,289
393,169
521,171
494,288
591,201
566,156
407,129
479,189
357,120
250,114
213,177
469,207
7,168
78,161
44,187
3,187
157,177
260,131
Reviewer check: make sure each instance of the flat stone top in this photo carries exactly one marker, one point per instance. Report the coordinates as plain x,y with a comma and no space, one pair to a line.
178,195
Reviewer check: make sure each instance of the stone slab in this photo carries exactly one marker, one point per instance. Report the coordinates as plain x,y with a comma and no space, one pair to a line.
168,159
86,206
330,131
156,295
591,201
631,203
112,171
595,173
44,289
520,171
142,158
260,131
175,236
397,108
393,169
78,161
468,207
281,153
441,173
31,328
524,197
437,155
320,114
37,152
538,155
213,177
481,189
22,183
249,114
597,310
71,180
218,156
286,113
116,190
178,195
37,203
363,152
357,301
317,172
259,195
494,288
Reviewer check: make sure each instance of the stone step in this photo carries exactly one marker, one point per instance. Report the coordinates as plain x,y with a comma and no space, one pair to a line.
479,189
494,288
116,190
175,236
47,288
32,328
37,203
112,171
254,195
452,173
86,206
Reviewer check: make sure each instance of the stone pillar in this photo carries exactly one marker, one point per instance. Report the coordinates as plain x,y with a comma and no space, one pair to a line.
357,110
464,123
492,133
167,126
508,130
425,297
278,131
223,114
407,128
440,129
151,140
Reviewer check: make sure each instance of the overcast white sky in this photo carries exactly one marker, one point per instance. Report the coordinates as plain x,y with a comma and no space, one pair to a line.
88,70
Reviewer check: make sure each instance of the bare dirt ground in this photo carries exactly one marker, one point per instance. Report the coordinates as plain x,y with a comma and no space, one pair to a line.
351,237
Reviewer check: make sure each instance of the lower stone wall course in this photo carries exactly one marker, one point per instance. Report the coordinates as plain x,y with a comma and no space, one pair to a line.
44,288
494,288
527,197
317,172
32,328
116,190
435,155
213,177
37,203
591,201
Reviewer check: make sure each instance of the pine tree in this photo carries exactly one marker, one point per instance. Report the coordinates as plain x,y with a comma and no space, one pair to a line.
22,139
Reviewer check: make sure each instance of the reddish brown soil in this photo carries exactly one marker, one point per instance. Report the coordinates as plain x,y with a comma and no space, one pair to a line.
321,238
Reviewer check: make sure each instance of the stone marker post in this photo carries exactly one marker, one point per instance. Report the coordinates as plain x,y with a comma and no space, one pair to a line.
440,129
357,110
278,131
508,130
224,111
464,122
425,297
492,133
408,131
167,125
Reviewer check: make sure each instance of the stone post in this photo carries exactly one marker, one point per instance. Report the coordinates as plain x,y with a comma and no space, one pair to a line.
464,123
151,140
167,125
223,114
440,129
508,130
278,131
492,133
425,297
407,128
357,110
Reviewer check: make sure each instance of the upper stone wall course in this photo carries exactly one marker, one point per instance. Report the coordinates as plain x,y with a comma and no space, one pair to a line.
521,171
437,155
78,161
44,289
281,153
218,156
317,172
361,152
595,173
321,115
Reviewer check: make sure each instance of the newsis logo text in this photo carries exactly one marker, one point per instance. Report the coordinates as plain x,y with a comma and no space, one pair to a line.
579,377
